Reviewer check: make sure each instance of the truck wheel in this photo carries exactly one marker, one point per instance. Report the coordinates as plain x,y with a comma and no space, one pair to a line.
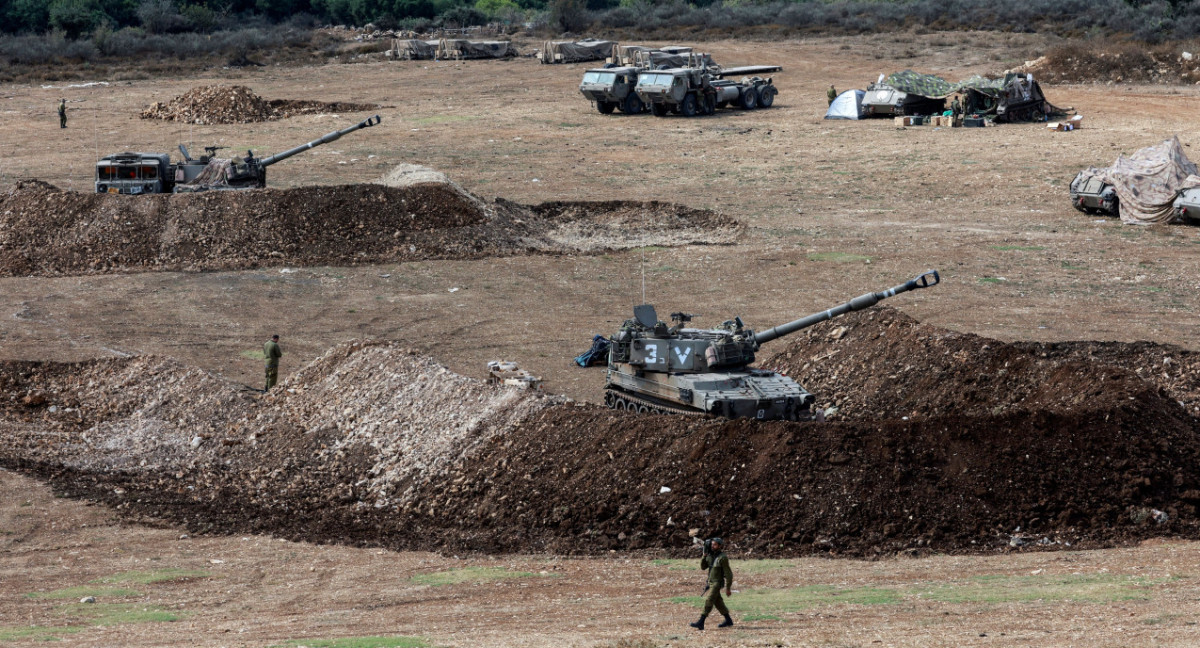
748,100
766,97
605,107
659,110
632,105
688,107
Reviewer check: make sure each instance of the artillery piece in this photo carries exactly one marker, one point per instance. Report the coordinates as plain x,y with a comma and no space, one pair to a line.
142,173
653,368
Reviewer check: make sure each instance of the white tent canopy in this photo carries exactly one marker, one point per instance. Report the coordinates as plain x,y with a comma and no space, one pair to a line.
847,105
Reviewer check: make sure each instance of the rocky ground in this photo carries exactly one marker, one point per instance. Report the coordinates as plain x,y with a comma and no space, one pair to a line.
45,231
237,104
937,441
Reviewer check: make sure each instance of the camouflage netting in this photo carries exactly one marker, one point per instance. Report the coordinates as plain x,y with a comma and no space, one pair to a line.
1148,181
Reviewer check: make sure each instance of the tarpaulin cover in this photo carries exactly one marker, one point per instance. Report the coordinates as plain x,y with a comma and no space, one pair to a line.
847,105
457,48
574,51
935,87
598,354
416,50
1148,181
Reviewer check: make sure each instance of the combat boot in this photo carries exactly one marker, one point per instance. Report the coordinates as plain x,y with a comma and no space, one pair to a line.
699,625
726,623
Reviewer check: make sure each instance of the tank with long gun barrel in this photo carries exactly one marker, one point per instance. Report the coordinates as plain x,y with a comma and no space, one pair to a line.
674,369
143,173
251,172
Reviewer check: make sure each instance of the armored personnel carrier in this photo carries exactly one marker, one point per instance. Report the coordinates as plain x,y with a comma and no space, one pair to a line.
653,367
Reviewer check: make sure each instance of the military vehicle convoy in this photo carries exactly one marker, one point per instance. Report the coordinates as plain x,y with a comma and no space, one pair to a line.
142,173
655,368
692,91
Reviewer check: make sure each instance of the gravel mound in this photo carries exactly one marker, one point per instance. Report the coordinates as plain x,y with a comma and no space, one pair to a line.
1011,446
219,104
44,231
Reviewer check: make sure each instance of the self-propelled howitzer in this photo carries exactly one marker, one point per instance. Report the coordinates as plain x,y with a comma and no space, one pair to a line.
653,367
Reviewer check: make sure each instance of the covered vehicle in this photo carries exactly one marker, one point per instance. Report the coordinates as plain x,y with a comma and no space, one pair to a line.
590,49
459,48
847,105
1013,98
904,93
412,49
1146,184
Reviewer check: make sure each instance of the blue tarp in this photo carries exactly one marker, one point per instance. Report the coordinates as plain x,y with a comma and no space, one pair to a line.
598,354
847,105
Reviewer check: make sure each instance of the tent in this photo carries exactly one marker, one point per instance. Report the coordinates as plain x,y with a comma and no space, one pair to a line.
460,48
847,105
1148,181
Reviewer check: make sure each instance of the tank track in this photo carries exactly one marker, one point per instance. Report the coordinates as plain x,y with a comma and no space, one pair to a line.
619,400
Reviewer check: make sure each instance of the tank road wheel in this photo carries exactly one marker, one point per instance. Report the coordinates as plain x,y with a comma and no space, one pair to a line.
633,104
605,107
642,409
609,400
748,100
659,110
766,96
688,107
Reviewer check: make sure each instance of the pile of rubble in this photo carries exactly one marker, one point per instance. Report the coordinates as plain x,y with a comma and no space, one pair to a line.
238,104
973,445
44,231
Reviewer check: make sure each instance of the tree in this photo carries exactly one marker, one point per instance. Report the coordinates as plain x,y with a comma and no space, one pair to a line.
76,17
568,15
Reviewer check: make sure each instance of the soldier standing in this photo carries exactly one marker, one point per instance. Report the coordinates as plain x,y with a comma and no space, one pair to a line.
956,111
62,113
831,93
272,353
719,575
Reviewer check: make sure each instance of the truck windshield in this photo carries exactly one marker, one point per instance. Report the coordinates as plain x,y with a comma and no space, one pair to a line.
599,77
654,79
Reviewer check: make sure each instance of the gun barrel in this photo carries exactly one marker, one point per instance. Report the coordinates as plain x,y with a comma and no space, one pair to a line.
324,139
924,280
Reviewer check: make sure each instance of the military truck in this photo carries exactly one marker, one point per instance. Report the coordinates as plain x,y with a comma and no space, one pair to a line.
692,91
611,88
661,369
142,173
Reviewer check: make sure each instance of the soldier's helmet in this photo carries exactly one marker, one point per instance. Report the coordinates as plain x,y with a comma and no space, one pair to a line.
717,541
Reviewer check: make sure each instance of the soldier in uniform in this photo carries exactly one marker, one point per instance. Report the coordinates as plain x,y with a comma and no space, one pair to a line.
62,113
719,575
272,354
831,94
956,111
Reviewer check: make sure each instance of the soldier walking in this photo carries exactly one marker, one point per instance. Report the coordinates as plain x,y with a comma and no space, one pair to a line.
272,354
719,575
62,113
831,93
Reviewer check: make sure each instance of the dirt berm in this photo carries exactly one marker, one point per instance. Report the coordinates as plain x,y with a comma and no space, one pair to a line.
1005,446
45,231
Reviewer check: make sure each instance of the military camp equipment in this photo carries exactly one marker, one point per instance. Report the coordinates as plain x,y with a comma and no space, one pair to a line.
139,173
1187,206
653,367
590,49
504,372
1092,195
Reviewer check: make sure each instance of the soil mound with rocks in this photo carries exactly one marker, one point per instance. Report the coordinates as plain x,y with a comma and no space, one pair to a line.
220,104
941,441
44,231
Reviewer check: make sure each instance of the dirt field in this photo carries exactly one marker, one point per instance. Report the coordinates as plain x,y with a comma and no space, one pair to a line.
831,209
